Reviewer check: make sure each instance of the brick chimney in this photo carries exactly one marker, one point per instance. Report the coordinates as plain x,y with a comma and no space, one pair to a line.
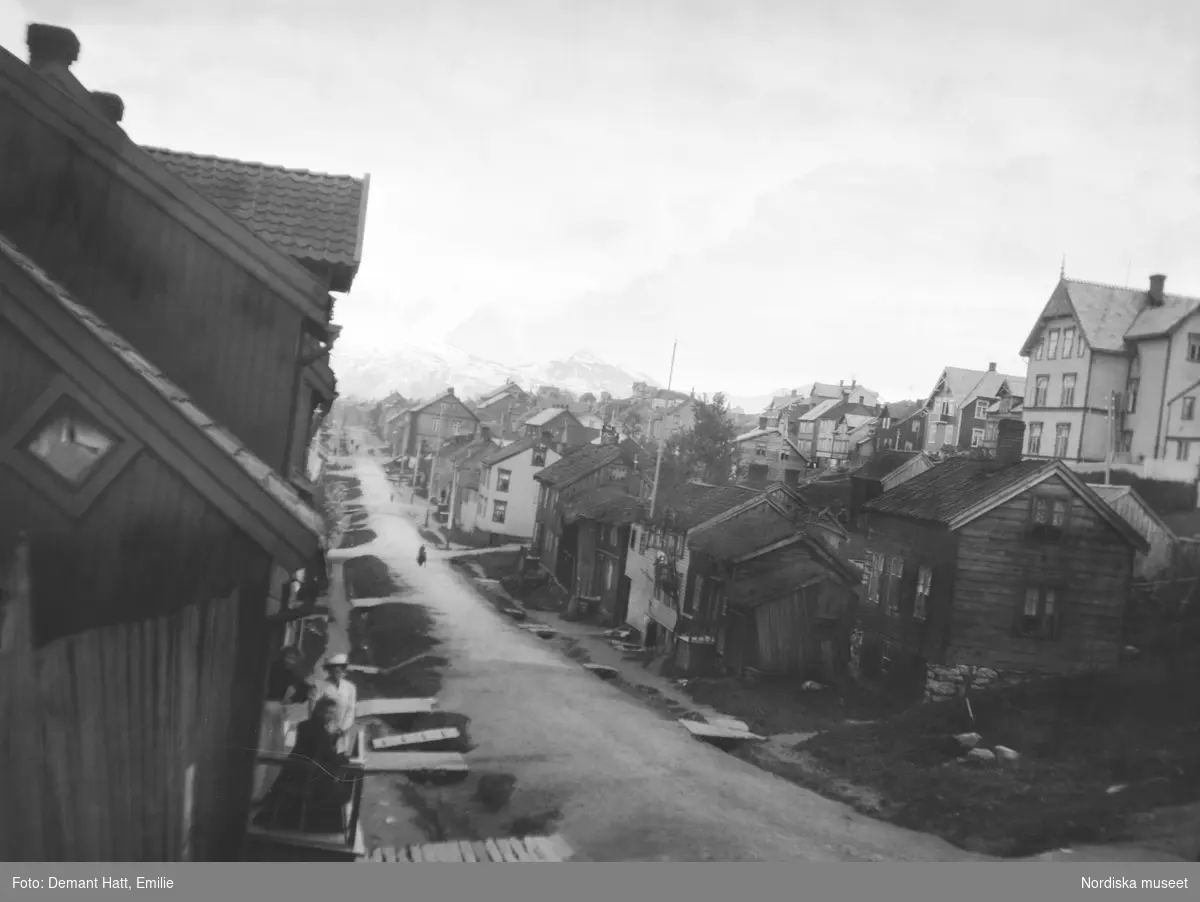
991,367
1155,295
608,435
51,45
110,106
794,392
1010,439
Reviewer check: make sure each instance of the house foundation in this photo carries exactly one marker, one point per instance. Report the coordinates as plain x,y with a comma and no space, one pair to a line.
950,681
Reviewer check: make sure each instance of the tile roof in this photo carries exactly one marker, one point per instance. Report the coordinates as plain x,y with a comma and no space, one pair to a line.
954,487
611,504
1110,314
588,459
692,503
307,215
266,477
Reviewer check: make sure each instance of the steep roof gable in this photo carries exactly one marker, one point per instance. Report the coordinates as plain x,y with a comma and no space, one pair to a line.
165,419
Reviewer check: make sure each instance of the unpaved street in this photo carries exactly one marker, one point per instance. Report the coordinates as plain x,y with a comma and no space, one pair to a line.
620,781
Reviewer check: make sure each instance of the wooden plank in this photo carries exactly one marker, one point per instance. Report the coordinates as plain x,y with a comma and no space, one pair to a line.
493,850
558,848
729,723
377,855
468,853
414,762
373,707
423,736
414,853
480,850
507,850
389,854
533,847
710,731
518,850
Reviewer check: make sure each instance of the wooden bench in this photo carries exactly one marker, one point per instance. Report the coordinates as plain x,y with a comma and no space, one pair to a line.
503,850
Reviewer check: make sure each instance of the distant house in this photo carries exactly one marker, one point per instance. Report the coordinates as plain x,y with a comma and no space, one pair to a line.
767,591
973,412
884,471
440,463
902,426
601,517
657,562
427,424
555,542
840,433
464,484
956,406
552,396
993,570
767,454
506,506
556,425
1009,405
816,392
671,420
493,404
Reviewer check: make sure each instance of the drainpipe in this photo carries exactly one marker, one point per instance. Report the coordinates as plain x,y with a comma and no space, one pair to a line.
1163,400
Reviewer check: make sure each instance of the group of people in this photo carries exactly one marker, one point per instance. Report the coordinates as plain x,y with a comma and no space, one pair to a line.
311,790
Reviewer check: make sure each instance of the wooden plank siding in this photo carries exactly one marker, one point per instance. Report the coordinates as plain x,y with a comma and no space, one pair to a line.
214,329
1091,568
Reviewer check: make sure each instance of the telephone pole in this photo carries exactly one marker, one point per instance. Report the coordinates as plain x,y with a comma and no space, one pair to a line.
662,442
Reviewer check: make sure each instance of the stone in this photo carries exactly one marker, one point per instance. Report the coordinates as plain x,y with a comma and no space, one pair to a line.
810,686
981,756
968,740
1006,755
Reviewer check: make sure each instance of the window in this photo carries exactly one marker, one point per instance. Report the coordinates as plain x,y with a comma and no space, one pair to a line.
989,432
1068,346
1181,450
618,472
1131,393
1040,349
976,438
887,423
1035,438
1052,344
1082,345
1127,440
71,446
760,449
1062,439
895,572
981,408
874,576
539,457
457,426
1189,408
916,426
783,455
499,511
1048,515
1067,396
1041,388
541,494
437,425
1193,347
633,537
1039,618
503,478
921,601
947,407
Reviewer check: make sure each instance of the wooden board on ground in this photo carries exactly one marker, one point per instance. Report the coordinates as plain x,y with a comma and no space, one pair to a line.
603,671
374,707
702,730
415,762
418,738
729,723
499,850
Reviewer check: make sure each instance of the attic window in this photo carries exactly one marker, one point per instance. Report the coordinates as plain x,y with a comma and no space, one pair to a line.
539,457
760,449
617,472
67,447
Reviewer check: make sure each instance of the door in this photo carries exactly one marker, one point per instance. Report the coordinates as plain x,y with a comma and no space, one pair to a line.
621,610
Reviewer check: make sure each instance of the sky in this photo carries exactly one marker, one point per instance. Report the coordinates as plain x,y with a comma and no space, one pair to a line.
794,190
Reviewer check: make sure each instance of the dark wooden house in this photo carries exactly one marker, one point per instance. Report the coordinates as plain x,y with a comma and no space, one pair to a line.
218,271
558,426
766,590
602,517
885,470
555,541
902,426
134,688
993,569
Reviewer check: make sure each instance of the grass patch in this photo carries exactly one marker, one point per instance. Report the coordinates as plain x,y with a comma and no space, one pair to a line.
369,577
497,564
1076,738
781,706
431,537
356,537
388,634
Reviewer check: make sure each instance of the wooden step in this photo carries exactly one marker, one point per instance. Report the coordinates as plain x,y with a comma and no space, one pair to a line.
498,850
374,707
419,738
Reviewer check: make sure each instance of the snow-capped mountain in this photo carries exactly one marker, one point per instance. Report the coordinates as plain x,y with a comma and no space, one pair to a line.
420,371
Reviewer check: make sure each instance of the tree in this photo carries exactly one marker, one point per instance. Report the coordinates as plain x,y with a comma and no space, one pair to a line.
587,398
631,423
707,450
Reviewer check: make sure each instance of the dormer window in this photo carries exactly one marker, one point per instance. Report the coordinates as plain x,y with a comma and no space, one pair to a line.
617,472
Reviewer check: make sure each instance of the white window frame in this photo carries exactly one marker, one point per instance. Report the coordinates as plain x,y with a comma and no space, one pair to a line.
981,409
921,599
976,438
499,511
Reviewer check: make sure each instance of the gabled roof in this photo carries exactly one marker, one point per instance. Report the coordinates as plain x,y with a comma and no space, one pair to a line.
64,111
693,503
217,465
611,504
497,455
883,464
961,489
958,381
989,386
452,444
446,396
310,216
899,411
549,415
1114,493
771,430
588,459
467,454
507,390
1109,315
815,413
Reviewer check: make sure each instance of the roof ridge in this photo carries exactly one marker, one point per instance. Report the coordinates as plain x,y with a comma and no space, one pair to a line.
214,158
1115,287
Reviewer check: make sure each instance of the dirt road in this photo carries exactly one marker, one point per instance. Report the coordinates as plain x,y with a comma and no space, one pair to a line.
615,777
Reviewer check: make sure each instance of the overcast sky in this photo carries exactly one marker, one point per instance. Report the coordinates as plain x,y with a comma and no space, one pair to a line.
798,190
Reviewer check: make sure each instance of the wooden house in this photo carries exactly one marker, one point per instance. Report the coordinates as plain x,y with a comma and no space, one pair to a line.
602,517
974,412
502,404
556,426
138,675
990,570
766,591
555,541
1160,558
902,426
223,295
768,454
657,562
1008,406
886,470
464,481
507,494
427,425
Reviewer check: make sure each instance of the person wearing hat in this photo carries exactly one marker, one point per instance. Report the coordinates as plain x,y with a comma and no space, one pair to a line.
343,694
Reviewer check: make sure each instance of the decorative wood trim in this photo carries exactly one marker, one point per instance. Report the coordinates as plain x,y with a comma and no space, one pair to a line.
75,500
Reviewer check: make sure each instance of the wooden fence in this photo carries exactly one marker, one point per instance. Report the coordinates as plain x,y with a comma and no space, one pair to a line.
116,743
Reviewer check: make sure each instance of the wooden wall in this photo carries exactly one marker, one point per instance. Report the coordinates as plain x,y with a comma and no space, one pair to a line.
223,336
1092,567
119,745
778,470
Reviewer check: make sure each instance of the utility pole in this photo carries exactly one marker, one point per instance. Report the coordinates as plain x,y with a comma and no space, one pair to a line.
433,461
662,443
1112,438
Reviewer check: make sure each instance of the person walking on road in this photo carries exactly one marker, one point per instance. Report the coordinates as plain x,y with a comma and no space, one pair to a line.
421,557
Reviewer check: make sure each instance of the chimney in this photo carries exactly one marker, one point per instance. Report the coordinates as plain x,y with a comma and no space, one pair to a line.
1157,282
51,45
793,392
110,106
608,435
841,383
485,433
1010,437
991,367
762,422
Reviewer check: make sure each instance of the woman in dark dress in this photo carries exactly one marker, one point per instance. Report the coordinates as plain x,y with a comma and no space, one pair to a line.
310,792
